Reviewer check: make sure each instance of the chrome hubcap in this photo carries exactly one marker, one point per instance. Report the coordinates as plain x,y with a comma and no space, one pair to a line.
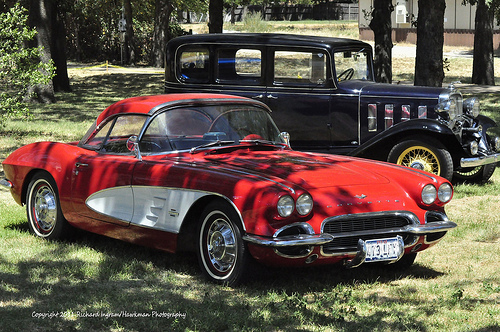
45,209
221,244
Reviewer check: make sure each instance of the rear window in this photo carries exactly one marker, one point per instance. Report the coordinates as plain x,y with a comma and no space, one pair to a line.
193,64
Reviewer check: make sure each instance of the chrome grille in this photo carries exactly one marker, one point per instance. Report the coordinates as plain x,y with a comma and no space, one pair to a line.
348,229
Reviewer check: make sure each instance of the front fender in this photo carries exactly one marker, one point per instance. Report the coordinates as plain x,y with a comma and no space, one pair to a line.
485,121
384,141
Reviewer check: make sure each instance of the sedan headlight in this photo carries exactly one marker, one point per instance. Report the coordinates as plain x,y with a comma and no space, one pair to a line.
286,206
304,204
471,107
429,194
445,192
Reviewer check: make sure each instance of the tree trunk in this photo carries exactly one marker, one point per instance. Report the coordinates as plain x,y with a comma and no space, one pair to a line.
163,9
40,12
430,38
482,68
58,51
215,16
382,29
129,34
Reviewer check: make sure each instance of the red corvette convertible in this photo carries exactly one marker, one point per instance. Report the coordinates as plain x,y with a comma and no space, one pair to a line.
212,173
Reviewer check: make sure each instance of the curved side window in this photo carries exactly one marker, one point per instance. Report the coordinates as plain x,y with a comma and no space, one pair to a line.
113,135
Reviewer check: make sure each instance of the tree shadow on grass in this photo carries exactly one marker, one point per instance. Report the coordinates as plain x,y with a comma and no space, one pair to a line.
124,286
90,95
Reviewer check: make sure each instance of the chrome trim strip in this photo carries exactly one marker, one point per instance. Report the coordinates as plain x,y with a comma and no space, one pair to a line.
6,183
480,161
289,241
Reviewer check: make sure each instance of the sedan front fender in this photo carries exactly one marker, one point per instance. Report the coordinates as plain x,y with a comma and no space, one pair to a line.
378,146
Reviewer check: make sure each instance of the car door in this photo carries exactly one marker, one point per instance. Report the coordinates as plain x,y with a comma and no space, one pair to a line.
101,179
298,92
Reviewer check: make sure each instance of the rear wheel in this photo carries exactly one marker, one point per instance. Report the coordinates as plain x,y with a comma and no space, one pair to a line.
221,251
43,209
429,156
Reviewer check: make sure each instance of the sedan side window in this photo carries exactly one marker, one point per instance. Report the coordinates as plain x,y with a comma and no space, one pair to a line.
239,66
300,68
352,65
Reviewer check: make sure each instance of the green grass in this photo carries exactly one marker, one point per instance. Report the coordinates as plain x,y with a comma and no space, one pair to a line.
88,282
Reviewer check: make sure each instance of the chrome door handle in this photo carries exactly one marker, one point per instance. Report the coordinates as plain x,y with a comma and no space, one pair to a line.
78,165
258,96
270,96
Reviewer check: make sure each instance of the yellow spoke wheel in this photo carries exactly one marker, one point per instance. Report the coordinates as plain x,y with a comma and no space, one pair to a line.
426,154
421,158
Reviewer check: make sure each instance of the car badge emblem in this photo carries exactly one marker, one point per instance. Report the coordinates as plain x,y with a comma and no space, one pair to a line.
362,196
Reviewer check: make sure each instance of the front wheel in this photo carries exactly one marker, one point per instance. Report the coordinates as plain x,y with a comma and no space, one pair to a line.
475,175
429,156
221,252
43,209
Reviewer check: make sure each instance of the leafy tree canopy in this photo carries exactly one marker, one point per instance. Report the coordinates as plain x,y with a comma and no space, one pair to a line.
20,67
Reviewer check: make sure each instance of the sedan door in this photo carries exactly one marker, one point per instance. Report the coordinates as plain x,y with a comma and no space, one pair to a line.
298,92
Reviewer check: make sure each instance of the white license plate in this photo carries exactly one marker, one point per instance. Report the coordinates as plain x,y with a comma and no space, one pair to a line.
383,250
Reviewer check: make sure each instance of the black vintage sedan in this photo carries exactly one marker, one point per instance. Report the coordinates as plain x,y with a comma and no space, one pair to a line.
322,91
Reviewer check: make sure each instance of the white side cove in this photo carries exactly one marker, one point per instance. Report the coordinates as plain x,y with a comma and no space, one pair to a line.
153,207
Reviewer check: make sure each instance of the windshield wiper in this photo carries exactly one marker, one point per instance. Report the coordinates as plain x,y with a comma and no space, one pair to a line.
214,143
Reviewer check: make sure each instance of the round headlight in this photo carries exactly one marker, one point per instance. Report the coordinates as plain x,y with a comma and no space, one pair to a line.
496,144
445,192
429,194
285,206
471,106
304,204
474,147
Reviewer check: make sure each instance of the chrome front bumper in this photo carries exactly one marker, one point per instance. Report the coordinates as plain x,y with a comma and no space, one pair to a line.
321,239
480,161
6,183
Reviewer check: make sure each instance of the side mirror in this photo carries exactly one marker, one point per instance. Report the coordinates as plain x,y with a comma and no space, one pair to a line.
286,138
133,146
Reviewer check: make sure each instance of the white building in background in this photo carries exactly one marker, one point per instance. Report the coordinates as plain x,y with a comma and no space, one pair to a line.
458,22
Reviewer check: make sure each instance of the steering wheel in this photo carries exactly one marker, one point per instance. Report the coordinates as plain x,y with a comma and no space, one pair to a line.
348,73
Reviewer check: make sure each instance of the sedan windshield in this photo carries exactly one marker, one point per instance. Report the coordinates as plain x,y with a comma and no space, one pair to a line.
204,126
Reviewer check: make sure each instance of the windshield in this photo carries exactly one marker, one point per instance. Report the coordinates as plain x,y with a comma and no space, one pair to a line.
202,126
352,65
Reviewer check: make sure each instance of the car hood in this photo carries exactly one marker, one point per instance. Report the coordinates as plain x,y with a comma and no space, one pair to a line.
304,169
372,89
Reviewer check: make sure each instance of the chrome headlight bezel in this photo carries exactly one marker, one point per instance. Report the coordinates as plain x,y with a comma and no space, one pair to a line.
304,204
429,194
445,192
285,206
472,107
473,148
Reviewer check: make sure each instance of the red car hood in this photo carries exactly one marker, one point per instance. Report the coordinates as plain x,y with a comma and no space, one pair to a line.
306,170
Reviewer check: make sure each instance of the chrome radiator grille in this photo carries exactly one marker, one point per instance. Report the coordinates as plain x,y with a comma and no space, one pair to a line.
348,229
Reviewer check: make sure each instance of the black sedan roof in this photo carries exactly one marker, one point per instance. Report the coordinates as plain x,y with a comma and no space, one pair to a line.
269,39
